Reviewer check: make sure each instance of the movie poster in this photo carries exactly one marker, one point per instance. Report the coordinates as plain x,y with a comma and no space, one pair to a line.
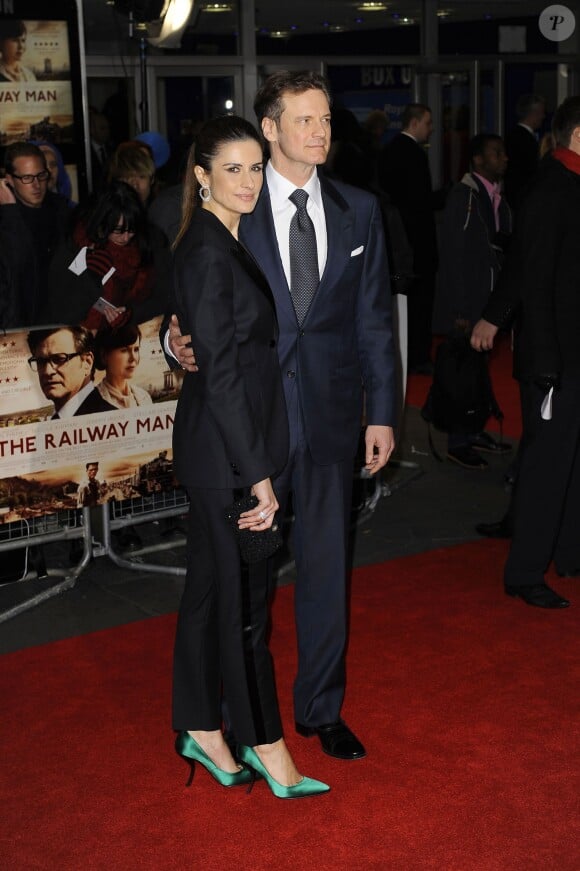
36,100
47,463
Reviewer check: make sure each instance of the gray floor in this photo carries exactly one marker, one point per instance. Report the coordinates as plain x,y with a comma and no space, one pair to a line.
426,504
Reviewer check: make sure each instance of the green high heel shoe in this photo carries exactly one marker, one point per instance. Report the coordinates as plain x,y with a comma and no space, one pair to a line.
188,748
305,787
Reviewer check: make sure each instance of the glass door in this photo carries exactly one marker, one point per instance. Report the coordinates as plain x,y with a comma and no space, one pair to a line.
185,98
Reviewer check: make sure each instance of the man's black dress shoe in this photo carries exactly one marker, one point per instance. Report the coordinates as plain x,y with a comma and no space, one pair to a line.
482,441
500,529
540,595
336,738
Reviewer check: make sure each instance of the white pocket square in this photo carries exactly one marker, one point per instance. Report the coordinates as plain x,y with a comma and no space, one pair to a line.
358,250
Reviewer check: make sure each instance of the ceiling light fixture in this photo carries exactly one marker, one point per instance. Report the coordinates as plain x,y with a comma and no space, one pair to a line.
217,7
372,7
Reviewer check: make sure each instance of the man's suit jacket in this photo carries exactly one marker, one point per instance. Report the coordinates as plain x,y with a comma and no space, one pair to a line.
523,156
540,279
93,404
99,167
405,175
345,341
231,427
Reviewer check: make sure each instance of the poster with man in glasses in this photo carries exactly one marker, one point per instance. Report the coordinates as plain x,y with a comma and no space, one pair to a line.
70,399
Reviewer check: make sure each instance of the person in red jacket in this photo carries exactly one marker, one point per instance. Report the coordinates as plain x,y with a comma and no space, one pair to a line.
113,267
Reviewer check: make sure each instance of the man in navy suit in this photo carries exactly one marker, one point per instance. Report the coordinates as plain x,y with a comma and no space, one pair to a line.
341,347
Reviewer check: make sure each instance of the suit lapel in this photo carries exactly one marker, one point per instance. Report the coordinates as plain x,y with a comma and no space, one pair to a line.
258,235
339,228
251,267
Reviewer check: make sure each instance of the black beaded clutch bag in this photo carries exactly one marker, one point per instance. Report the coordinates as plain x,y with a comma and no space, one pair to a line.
254,546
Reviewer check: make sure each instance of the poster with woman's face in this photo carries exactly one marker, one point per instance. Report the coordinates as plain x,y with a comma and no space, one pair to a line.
36,100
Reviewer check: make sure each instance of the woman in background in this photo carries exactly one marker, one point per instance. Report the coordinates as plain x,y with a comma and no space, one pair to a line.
132,163
12,47
114,266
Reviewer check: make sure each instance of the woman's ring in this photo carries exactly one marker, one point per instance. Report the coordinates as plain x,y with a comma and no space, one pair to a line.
263,515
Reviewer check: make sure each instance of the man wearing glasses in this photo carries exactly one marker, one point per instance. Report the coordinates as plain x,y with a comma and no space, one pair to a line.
64,359
32,222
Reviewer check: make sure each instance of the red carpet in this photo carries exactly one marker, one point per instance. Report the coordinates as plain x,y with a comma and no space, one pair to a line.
467,702
505,388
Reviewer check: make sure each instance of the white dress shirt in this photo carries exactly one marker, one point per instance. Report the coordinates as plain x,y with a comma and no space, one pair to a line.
283,210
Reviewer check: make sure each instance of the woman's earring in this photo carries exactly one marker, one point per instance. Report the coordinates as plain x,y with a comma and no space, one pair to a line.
205,193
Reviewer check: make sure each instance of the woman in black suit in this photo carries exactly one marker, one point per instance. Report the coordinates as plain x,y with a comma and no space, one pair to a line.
230,433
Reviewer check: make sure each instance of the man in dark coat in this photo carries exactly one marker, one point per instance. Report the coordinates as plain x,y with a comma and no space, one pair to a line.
544,263
32,222
405,176
522,146
476,226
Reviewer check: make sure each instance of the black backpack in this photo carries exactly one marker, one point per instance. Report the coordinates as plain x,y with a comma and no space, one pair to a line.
461,398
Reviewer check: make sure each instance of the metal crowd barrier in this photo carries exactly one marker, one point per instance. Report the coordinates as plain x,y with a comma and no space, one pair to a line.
66,526
119,515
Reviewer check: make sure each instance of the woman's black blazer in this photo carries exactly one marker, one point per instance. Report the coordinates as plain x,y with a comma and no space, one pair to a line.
231,427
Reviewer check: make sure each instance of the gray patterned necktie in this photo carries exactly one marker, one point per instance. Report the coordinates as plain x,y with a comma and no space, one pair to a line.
303,256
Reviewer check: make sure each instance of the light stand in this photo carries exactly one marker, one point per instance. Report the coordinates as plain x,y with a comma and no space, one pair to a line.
144,104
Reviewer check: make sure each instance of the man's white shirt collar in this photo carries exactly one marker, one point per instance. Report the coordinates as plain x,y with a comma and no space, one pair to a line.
280,188
72,405
284,209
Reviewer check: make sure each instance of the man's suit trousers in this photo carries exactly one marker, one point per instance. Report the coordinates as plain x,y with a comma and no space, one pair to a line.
547,496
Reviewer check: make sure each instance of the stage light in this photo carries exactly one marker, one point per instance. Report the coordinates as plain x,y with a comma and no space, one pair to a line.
167,32
161,22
